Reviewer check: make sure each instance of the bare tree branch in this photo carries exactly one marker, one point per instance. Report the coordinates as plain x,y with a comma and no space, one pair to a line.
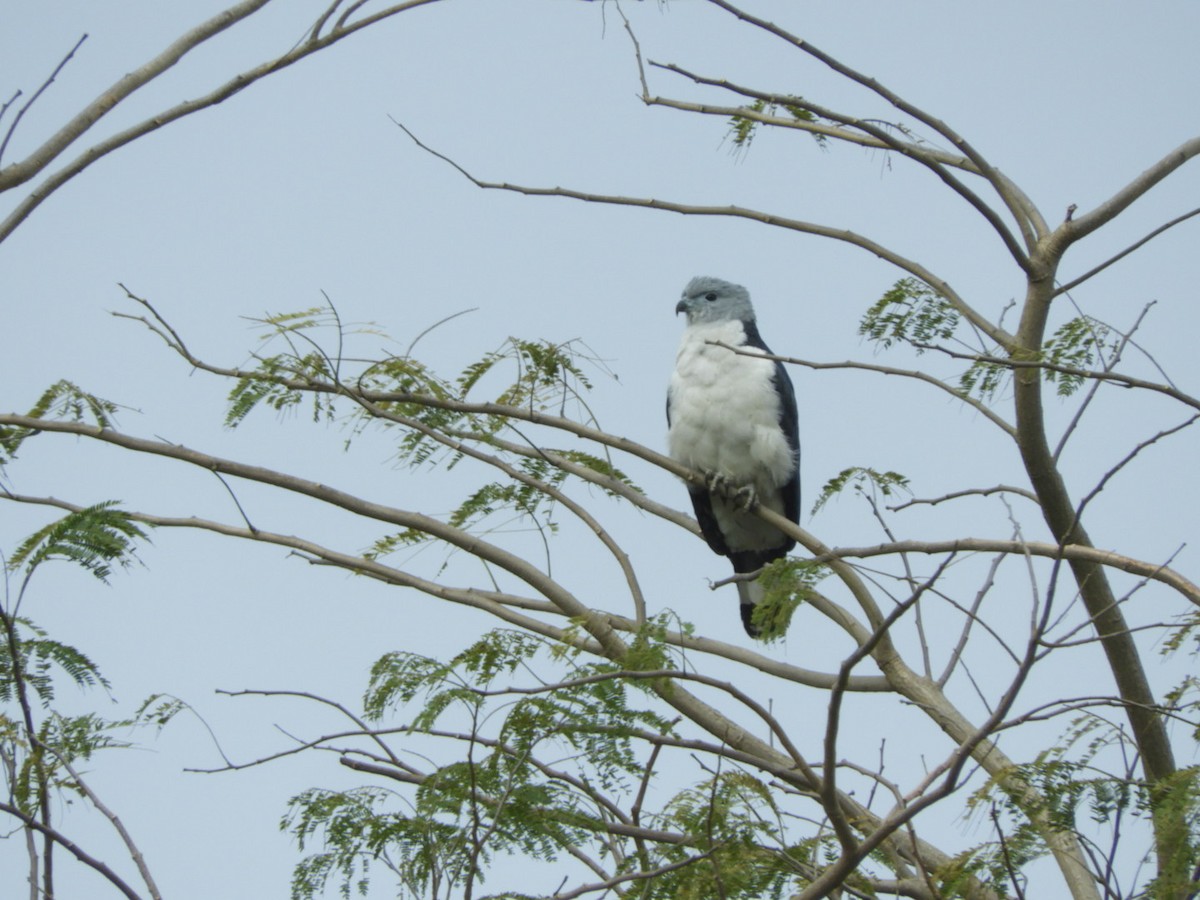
1093,374
135,852
71,847
1096,270
885,138
1078,227
32,100
18,173
1107,558
1032,226
914,268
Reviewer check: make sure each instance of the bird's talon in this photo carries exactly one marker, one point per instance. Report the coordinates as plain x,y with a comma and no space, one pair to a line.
745,497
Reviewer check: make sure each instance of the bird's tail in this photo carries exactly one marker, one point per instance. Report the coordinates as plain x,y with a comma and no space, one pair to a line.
749,593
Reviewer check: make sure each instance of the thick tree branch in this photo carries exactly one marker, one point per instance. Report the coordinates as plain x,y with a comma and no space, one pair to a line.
1062,518
1072,230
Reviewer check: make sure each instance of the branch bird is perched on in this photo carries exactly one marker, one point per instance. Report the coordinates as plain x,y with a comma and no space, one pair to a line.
732,417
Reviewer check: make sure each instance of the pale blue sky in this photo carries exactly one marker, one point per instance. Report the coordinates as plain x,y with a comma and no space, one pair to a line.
302,184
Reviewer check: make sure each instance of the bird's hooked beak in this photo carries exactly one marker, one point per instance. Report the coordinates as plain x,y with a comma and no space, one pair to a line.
681,306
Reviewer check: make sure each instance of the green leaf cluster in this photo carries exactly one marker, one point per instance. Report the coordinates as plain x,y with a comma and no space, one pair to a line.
38,659
786,583
1076,344
502,793
95,538
1071,781
40,746
914,313
540,773
737,848
910,312
64,401
743,128
426,412
864,481
984,379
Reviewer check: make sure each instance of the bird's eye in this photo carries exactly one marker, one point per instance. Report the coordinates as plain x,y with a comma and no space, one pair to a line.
710,296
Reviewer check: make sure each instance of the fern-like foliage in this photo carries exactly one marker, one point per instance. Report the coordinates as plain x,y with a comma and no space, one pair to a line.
524,498
1076,344
95,538
910,312
913,313
1073,781
984,379
863,481
545,377
38,659
303,372
63,401
503,797
738,849
539,774
272,386
786,584
742,129
40,746
425,413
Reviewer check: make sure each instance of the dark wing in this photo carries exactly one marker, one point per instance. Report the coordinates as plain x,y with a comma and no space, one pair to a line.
789,422
702,505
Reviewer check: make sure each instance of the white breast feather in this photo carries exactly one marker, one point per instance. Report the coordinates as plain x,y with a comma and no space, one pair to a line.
725,419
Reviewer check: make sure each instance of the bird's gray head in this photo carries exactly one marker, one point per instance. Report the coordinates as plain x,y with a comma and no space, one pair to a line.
708,299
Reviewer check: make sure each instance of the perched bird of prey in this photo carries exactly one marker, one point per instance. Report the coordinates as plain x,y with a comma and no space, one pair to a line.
732,417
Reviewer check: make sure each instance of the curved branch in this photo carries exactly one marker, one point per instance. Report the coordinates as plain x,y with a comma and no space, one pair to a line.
561,599
968,492
71,847
496,603
997,334
637,674
20,172
889,142
580,512
980,407
132,848
818,129
1030,221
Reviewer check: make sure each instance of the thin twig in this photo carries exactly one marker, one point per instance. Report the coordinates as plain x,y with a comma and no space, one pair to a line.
32,100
